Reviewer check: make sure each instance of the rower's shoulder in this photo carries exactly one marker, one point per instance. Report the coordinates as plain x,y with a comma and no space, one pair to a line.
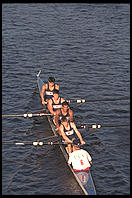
57,111
45,86
57,86
61,127
70,110
72,123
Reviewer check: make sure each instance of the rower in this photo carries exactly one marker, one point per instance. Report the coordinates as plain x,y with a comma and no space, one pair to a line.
65,111
55,102
80,159
47,90
70,134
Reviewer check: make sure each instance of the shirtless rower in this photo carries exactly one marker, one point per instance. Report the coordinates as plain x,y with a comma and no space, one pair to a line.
70,134
55,102
47,90
65,111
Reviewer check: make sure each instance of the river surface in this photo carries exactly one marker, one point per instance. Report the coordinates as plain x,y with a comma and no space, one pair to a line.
86,47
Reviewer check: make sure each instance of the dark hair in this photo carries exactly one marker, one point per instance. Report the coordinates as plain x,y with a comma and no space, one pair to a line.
51,79
65,103
56,91
64,119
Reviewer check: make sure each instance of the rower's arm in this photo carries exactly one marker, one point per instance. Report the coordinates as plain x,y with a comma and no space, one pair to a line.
71,115
57,87
64,135
78,133
89,157
42,93
50,108
70,159
57,113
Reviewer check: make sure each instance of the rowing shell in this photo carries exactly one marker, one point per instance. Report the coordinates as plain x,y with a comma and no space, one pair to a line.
83,178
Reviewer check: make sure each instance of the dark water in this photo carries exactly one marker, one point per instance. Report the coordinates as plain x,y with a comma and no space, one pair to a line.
86,48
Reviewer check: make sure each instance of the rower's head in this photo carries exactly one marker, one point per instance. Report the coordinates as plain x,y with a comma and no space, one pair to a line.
64,120
51,80
56,93
76,147
65,105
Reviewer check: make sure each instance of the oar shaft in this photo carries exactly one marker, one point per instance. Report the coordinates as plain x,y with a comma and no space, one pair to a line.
95,126
96,100
114,125
27,115
37,143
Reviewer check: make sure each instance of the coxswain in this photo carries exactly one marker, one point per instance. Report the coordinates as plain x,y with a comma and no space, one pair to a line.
65,111
70,134
80,159
55,102
47,90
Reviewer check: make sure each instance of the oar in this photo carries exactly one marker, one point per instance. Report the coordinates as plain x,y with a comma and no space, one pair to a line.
93,126
36,143
96,100
40,143
27,115
97,126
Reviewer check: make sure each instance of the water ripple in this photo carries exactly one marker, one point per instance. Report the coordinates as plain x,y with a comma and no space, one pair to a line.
86,47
